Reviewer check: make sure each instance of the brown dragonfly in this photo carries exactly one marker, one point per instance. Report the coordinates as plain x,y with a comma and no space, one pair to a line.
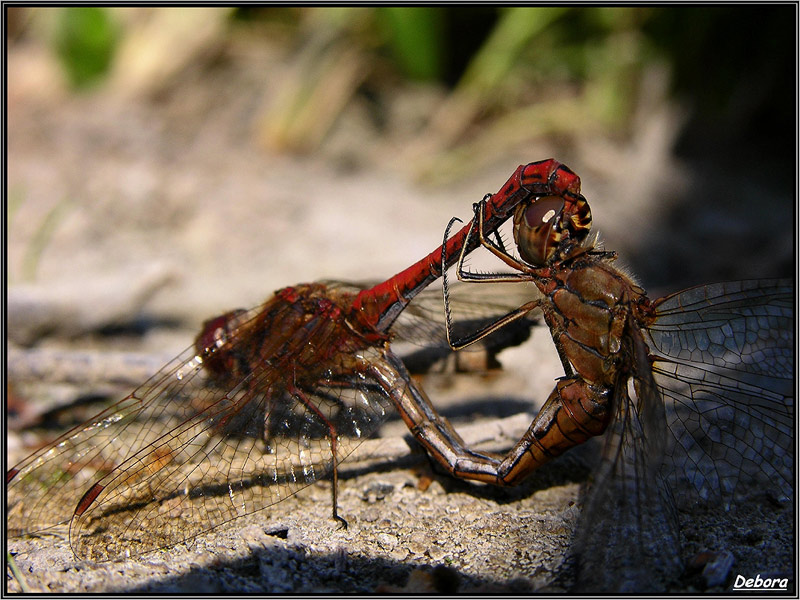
694,391
265,402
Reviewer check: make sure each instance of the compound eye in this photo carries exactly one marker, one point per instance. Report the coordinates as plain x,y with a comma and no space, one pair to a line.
535,229
544,211
212,345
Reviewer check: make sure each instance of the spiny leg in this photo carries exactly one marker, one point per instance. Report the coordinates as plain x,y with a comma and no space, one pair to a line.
482,278
498,249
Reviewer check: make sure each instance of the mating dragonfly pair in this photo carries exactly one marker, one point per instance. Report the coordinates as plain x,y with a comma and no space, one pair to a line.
693,392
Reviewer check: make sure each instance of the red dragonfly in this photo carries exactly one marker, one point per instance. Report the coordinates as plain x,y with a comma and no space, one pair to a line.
265,402
694,391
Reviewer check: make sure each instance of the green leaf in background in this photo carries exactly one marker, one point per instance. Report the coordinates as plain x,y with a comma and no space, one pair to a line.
517,27
85,40
416,39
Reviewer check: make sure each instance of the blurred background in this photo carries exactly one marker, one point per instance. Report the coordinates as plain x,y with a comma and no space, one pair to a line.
169,164
166,164
218,153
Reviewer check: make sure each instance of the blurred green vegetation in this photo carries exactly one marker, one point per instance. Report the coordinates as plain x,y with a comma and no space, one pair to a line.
85,39
581,67
415,38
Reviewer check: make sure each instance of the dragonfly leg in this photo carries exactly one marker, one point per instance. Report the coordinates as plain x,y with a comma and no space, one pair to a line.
333,436
490,328
498,250
482,277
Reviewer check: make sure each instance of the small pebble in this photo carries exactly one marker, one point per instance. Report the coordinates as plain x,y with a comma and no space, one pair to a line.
386,541
437,553
718,569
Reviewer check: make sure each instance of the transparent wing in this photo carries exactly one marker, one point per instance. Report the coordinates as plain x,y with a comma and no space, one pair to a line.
44,489
247,452
473,306
213,435
418,336
422,323
628,536
723,359
217,433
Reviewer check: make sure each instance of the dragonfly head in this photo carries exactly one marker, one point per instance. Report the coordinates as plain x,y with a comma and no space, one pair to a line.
212,345
552,228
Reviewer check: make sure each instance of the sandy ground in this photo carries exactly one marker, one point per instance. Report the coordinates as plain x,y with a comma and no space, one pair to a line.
130,222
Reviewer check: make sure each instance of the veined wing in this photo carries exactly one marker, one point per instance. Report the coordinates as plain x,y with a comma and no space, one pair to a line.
723,358
422,323
44,489
183,454
628,537
246,453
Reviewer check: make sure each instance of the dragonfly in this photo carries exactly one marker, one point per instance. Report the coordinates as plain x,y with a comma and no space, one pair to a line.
265,402
694,391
